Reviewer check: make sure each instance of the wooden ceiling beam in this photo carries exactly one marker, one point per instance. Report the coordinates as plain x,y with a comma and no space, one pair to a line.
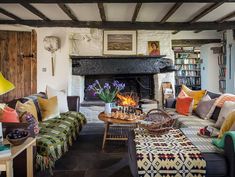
102,12
171,12
136,12
68,11
127,25
113,1
4,12
34,11
206,11
227,17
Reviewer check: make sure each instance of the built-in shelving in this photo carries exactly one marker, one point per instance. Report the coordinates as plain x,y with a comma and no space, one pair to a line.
187,62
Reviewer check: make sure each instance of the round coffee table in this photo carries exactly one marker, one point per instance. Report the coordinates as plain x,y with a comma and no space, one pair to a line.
123,124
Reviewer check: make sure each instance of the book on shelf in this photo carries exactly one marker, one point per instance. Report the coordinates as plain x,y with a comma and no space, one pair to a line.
5,150
222,84
221,60
222,72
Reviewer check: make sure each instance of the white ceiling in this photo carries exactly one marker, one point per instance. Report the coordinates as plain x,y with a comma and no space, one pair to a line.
149,12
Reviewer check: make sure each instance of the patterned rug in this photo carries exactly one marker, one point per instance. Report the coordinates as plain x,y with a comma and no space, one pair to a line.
169,155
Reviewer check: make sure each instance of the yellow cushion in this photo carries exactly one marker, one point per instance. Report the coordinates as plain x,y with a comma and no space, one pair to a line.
227,124
49,108
195,94
28,106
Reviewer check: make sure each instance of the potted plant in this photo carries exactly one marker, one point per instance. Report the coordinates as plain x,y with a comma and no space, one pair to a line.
106,93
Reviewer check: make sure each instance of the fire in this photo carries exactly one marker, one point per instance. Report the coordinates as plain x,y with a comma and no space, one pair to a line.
127,100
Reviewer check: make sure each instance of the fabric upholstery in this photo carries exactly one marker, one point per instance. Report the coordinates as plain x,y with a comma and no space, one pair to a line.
227,124
228,107
27,117
49,108
213,95
28,106
61,97
184,105
215,113
9,115
223,98
195,94
204,107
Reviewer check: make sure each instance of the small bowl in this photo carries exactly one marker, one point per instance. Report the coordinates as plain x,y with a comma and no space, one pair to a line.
18,141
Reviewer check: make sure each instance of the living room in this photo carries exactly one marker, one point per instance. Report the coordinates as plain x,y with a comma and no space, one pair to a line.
88,87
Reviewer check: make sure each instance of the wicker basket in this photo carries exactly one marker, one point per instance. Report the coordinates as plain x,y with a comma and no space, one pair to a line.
157,122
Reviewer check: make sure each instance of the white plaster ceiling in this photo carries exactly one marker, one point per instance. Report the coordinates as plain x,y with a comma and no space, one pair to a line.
153,12
219,12
19,11
86,12
52,11
187,11
119,12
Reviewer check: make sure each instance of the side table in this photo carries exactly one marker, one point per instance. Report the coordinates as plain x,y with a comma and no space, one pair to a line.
6,163
108,121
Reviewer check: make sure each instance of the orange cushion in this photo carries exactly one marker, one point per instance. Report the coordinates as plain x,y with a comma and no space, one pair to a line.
184,105
9,115
224,97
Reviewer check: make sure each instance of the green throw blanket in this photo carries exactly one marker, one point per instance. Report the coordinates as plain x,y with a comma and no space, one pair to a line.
220,142
55,136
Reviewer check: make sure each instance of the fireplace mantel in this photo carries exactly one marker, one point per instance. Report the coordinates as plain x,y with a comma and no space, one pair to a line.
104,65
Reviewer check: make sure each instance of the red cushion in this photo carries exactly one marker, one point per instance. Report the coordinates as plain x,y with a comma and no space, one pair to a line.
9,115
184,105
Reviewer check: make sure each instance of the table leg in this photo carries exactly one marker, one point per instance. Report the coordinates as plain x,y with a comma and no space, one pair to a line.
106,130
30,161
9,168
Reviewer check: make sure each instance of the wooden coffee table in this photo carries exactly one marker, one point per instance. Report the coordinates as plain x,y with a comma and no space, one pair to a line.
123,124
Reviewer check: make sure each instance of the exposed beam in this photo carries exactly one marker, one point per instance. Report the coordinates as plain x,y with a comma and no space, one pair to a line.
193,42
114,1
171,12
3,11
34,11
68,11
127,25
175,32
102,12
136,12
227,17
206,11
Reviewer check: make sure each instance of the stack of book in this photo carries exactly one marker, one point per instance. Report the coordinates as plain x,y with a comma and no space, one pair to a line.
5,150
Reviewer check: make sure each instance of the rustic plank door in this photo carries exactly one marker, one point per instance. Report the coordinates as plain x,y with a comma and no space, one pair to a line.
18,62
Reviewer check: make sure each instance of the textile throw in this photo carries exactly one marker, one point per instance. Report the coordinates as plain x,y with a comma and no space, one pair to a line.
168,155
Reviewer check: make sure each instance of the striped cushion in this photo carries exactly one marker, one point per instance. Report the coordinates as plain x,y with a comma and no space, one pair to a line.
225,97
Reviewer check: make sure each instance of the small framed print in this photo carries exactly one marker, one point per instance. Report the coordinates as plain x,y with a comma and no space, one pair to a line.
119,42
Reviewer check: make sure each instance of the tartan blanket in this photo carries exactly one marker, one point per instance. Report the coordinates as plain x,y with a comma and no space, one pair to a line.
168,155
55,136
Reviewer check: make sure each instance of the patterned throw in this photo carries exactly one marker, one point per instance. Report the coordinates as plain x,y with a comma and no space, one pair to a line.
168,155
55,136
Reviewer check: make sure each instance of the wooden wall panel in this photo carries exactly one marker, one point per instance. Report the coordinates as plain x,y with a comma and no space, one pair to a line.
17,63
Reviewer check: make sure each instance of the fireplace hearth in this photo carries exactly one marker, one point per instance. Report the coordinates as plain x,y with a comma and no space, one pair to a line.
143,85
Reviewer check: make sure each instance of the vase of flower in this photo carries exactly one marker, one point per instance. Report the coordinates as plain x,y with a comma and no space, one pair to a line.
107,93
108,109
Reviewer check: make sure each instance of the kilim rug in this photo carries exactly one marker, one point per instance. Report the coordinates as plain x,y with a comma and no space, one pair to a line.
168,155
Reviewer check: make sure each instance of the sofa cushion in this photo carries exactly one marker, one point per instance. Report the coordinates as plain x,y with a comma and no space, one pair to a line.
227,108
223,98
215,113
204,107
227,124
213,95
195,94
184,105
28,106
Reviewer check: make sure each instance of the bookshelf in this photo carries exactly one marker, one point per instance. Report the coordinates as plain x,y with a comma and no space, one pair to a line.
222,65
187,62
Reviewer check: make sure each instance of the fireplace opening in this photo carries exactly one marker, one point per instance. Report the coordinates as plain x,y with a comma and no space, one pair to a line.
142,84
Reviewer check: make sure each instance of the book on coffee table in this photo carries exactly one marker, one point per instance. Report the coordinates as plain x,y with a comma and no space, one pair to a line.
5,150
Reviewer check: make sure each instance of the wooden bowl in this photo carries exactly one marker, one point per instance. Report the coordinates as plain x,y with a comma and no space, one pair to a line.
18,141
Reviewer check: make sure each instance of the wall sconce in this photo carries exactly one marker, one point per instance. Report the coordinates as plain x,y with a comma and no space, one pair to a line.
52,44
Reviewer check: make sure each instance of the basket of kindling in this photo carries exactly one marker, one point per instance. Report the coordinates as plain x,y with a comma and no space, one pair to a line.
157,122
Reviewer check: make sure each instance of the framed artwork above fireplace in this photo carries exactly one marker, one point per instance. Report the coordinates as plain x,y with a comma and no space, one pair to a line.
119,42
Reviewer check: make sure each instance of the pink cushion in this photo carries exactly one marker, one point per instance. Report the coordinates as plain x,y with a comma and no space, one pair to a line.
9,115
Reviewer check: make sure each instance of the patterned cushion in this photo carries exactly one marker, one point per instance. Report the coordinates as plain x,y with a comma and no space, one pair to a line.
223,98
27,117
54,137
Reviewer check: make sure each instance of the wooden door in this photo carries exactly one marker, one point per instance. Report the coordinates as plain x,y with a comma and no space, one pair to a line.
18,62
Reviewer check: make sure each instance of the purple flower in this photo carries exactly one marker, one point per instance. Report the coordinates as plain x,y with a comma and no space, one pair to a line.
107,86
121,86
100,91
115,83
96,81
94,94
90,87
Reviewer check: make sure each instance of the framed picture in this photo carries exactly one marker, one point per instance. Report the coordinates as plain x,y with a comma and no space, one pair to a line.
153,48
119,42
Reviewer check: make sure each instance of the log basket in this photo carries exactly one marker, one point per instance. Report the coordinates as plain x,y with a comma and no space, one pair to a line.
157,122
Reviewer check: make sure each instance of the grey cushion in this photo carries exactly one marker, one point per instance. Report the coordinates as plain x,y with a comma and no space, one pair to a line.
213,95
204,108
